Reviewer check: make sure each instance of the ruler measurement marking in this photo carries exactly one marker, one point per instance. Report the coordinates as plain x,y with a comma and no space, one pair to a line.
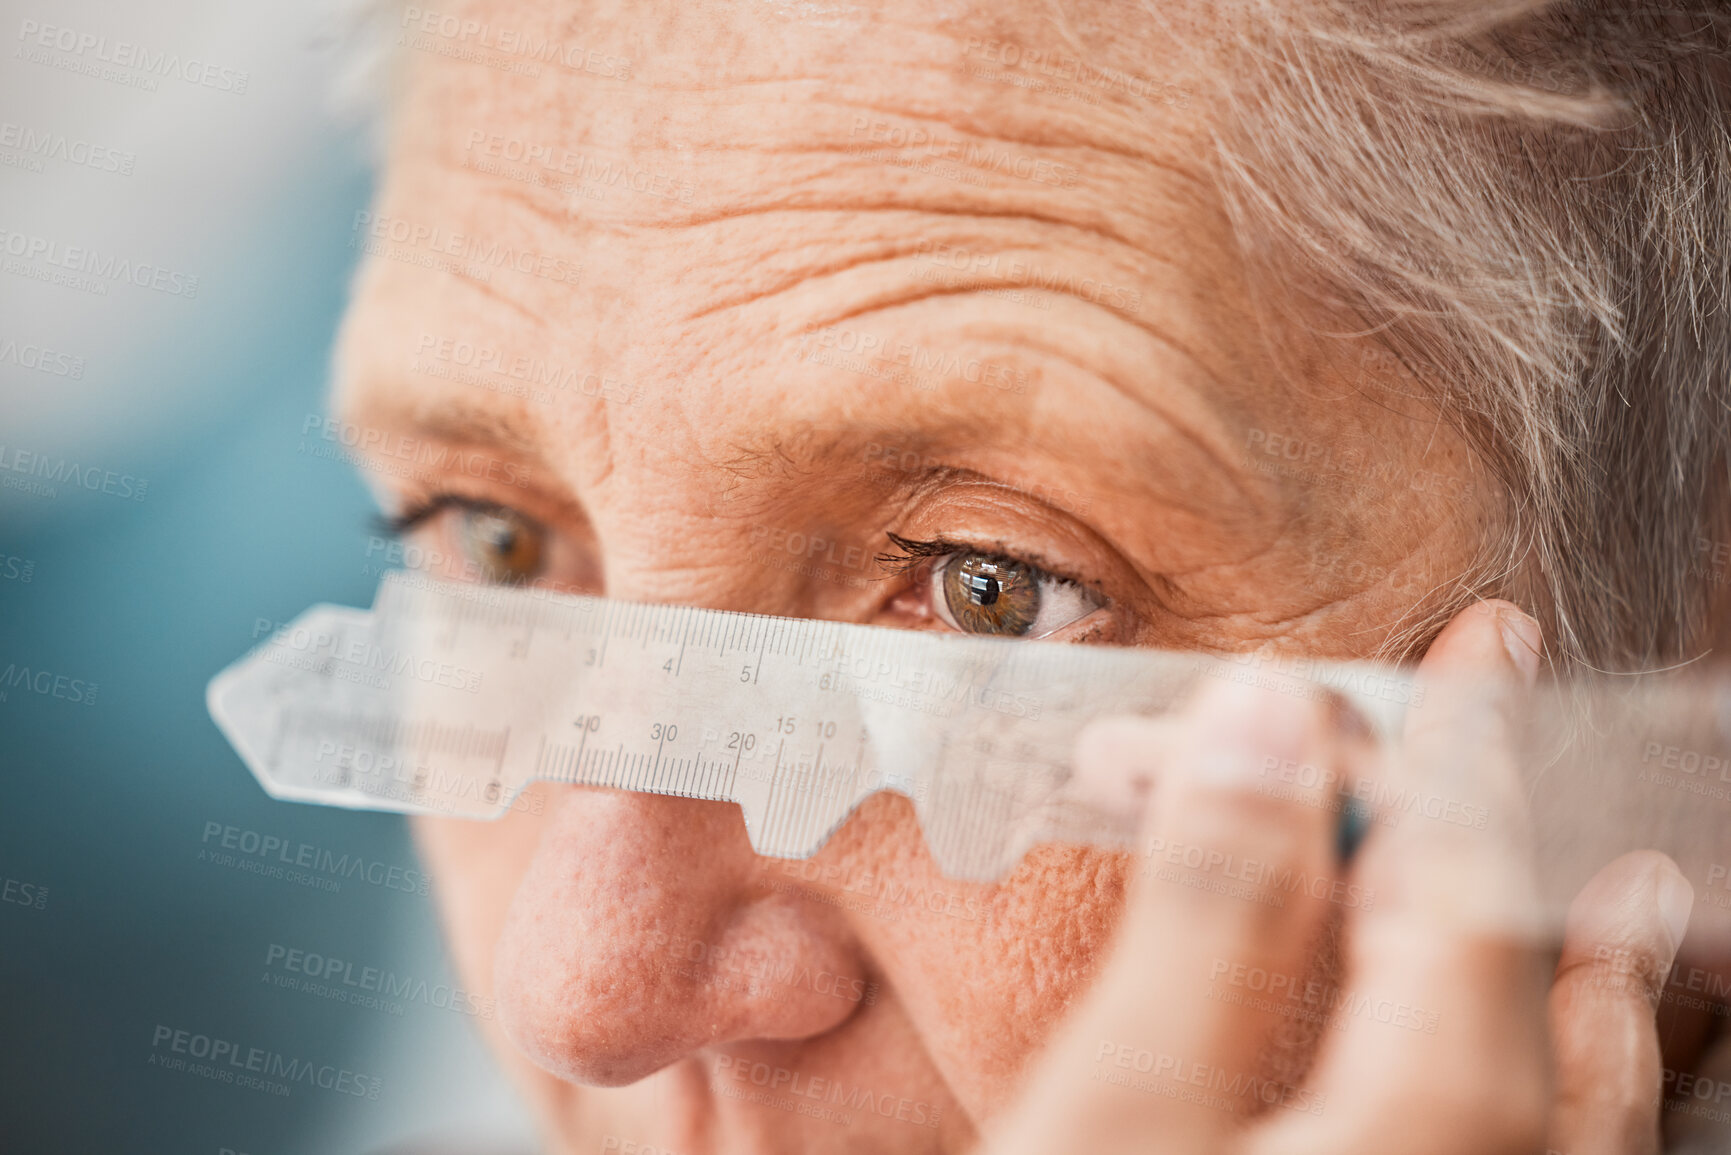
774,784
801,805
733,772
800,819
577,762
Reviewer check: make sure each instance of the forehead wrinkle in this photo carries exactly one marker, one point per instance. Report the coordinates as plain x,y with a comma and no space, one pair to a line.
549,222
1146,400
542,204
1209,437
840,189
717,139
1079,138
1087,151
885,253
491,292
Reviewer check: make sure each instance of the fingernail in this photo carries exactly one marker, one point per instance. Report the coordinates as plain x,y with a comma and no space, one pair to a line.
1229,763
1244,729
1524,642
1676,899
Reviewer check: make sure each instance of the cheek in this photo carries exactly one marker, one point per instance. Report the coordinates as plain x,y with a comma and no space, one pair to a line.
476,868
999,989
984,972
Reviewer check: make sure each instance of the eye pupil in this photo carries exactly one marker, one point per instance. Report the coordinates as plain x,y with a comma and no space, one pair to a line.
985,588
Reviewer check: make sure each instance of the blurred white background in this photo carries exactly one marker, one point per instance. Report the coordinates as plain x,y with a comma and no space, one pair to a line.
202,397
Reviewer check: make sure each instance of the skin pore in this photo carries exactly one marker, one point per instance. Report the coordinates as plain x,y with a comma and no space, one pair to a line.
729,281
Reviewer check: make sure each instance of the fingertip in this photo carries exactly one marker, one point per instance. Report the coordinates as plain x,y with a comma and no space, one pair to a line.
1117,760
1522,639
1639,903
1491,633
1238,728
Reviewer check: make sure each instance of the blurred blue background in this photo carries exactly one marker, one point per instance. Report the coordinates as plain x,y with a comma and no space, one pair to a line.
112,925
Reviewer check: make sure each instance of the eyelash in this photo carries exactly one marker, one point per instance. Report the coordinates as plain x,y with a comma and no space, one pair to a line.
399,524
910,554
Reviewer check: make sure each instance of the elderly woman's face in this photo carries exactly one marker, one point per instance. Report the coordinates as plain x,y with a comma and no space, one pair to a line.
704,309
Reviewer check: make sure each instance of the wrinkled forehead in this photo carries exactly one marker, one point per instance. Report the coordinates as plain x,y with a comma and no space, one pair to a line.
665,129
1079,54
768,214
675,83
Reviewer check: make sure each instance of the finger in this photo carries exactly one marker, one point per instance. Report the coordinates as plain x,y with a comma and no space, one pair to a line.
1622,937
1440,1042
1161,1049
1118,761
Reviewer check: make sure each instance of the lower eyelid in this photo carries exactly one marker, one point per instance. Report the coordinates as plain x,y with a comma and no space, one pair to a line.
1100,631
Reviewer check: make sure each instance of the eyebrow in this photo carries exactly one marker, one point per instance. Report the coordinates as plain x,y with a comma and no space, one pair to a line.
802,452
779,456
783,453
454,419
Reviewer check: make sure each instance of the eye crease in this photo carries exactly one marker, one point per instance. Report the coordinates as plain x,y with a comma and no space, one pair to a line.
975,591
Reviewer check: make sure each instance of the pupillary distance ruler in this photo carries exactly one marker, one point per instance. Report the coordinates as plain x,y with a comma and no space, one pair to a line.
449,699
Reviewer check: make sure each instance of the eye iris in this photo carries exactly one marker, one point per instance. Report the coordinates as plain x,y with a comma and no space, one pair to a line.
988,595
503,545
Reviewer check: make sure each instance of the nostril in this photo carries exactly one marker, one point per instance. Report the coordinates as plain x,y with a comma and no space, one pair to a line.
639,935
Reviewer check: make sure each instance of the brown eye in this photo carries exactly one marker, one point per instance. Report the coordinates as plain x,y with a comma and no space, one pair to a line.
503,545
980,593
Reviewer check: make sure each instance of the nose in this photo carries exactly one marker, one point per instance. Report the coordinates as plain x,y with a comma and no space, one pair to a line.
645,929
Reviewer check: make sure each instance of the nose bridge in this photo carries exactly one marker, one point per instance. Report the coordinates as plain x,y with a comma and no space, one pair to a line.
688,549
643,930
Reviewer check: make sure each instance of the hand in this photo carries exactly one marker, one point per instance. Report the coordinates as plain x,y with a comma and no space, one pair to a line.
1262,997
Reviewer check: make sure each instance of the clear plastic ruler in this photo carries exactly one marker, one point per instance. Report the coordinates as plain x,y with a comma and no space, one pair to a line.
451,699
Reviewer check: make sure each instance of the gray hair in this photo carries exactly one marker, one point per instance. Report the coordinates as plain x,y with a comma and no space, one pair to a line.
1529,204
